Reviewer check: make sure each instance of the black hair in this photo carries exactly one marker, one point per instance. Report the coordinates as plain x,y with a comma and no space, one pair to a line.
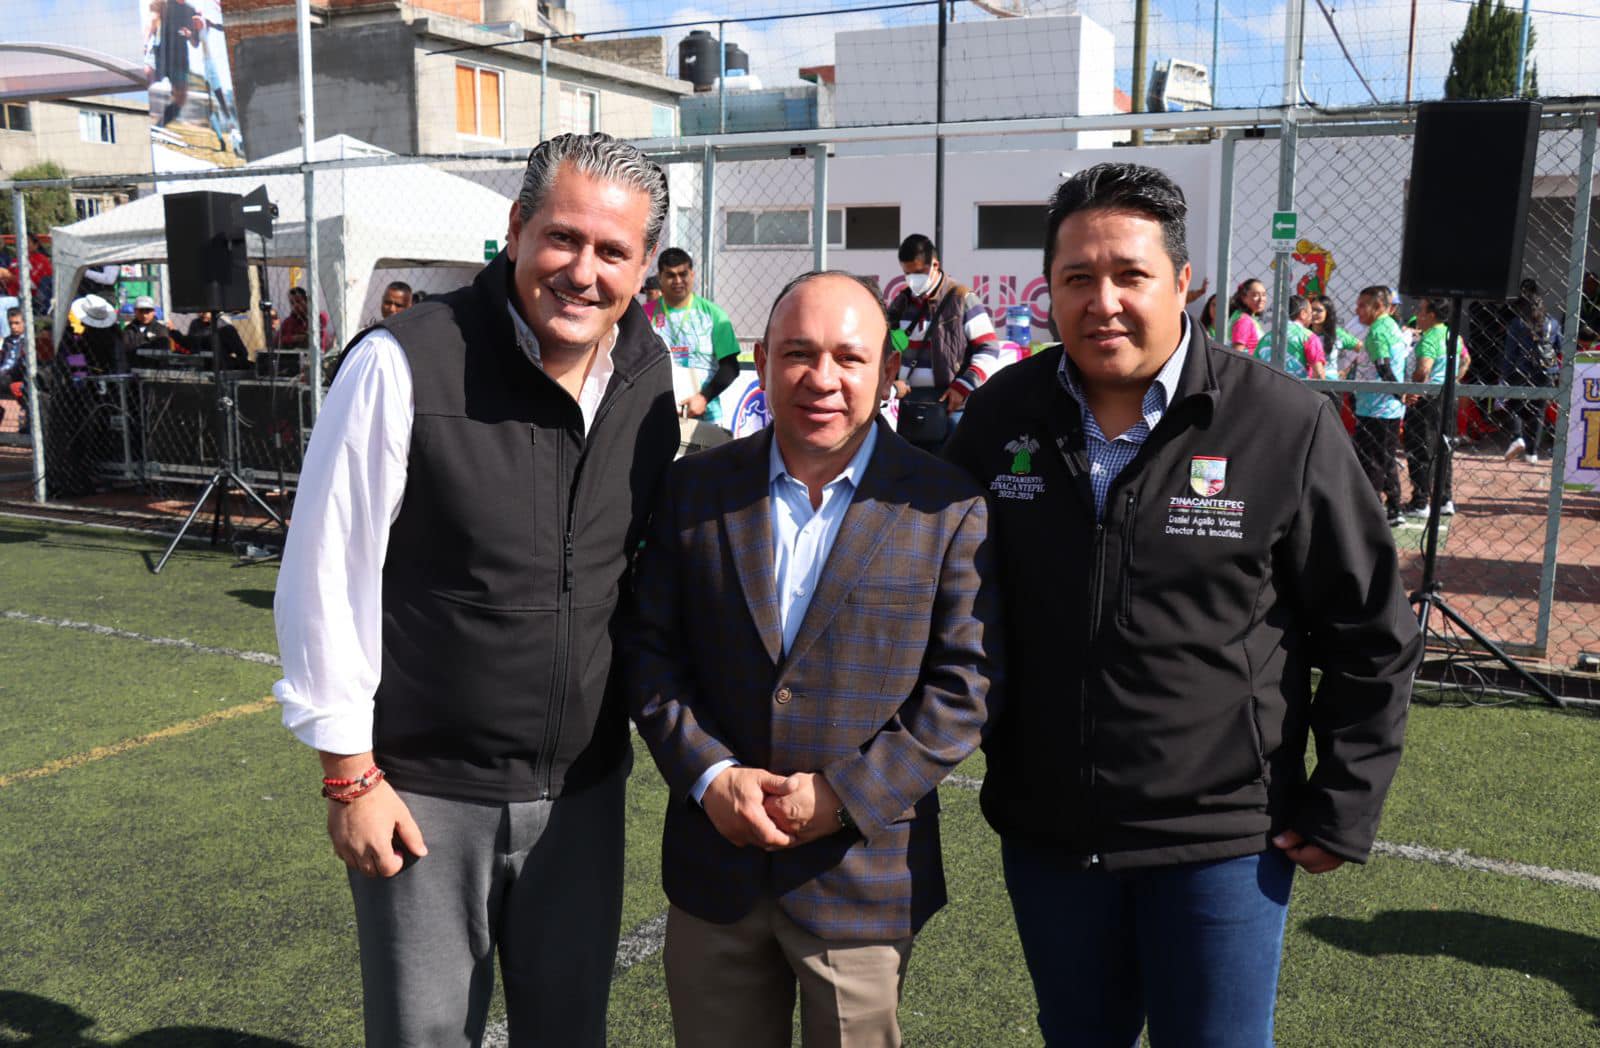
298,290
1122,187
1440,308
14,311
673,257
918,248
1379,293
399,285
1236,302
1296,304
652,283
1208,314
805,278
1330,325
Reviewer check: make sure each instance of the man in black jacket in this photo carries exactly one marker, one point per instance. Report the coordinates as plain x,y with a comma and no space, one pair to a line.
471,497
1184,533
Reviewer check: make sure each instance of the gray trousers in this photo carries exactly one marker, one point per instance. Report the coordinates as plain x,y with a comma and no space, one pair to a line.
539,882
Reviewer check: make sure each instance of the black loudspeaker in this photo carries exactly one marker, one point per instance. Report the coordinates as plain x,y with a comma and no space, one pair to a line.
206,253
1467,205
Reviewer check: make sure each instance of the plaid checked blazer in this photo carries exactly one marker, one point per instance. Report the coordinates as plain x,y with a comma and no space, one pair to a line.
889,685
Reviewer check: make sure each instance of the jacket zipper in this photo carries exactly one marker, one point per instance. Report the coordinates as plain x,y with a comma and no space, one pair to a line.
1085,723
1125,584
558,691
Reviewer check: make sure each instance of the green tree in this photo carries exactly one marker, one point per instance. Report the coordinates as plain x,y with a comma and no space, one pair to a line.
47,208
1483,60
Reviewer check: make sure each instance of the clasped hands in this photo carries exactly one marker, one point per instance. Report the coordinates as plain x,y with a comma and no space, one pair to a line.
756,807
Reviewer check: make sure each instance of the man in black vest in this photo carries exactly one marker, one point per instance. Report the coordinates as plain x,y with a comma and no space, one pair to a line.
469,504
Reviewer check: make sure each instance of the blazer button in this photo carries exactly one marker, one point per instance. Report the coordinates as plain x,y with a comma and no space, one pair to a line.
783,695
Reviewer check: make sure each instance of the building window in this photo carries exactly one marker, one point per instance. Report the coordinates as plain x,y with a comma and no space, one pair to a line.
864,228
768,228
1011,226
580,110
477,101
14,116
97,126
663,121
86,207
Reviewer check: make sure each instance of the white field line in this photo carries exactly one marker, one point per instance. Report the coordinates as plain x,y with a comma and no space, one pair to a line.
262,657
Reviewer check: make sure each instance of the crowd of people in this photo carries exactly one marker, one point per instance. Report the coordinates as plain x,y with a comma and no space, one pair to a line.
1519,344
1108,580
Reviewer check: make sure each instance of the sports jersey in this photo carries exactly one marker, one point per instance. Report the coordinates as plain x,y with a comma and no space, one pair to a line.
697,334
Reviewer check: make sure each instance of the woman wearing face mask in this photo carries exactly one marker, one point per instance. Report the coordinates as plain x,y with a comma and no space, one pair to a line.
952,346
1244,315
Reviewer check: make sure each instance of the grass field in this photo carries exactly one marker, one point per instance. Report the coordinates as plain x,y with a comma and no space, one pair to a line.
165,880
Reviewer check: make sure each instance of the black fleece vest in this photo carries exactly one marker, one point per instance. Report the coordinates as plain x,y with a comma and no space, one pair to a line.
507,558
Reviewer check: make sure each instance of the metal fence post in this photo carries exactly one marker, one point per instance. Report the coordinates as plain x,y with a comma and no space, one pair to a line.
708,223
1224,280
30,354
819,207
308,141
1583,193
722,78
1288,145
544,85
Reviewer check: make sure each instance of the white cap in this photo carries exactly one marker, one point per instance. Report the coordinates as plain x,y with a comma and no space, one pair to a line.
144,302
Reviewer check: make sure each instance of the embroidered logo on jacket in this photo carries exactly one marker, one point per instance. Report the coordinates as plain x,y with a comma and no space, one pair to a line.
1207,475
1020,483
1022,450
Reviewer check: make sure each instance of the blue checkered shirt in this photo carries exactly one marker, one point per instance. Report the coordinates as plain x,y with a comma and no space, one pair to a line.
1108,458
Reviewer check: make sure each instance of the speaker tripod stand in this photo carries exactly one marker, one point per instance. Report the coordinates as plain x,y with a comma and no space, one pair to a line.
1429,596
226,476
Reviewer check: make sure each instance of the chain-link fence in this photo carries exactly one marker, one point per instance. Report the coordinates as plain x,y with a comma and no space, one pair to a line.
133,413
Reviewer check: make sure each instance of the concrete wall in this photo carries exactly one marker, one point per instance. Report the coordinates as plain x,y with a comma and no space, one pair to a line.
645,53
365,86
1049,66
56,136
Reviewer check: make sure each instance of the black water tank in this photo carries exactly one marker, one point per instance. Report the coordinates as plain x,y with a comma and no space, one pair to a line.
738,61
697,58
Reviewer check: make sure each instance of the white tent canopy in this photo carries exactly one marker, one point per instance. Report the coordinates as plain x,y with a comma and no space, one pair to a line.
388,216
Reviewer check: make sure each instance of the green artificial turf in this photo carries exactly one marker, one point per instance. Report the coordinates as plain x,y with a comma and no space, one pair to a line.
183,893
102,576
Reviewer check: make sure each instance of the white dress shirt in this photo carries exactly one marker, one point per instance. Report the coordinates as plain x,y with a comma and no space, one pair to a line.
329,604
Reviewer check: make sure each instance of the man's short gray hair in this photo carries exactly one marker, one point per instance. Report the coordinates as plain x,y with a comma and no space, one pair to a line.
599,156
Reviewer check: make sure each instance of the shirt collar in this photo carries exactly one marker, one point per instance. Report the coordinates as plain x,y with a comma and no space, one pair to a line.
851,473
1166,379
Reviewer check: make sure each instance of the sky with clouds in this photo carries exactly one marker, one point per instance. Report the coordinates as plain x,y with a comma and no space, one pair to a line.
1250,45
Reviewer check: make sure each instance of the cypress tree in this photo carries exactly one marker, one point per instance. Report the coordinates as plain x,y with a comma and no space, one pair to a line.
1483,60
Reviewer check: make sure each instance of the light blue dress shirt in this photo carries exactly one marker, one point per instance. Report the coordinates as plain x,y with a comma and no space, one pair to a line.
802,538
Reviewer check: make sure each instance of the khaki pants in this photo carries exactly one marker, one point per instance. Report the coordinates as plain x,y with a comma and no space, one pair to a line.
735,984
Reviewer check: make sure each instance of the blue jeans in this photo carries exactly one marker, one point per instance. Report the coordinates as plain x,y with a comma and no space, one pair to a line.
1194,948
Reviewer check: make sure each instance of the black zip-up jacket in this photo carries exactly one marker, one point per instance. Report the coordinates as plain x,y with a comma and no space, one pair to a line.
1159,661
510,553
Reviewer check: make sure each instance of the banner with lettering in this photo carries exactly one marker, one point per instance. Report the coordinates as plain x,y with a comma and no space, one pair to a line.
1583,424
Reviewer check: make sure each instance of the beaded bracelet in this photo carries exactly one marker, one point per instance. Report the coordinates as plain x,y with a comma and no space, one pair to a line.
362,786
352,782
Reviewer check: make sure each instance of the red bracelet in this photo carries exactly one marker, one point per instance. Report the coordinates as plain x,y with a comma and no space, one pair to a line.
352,782
362,786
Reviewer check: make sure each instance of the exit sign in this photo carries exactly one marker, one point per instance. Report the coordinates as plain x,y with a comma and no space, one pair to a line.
491,248
1285,225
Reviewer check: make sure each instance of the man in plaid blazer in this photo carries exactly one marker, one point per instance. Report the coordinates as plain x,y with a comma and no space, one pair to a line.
814,648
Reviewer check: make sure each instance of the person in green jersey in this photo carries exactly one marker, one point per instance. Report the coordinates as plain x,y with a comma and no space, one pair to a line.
1422,412
1303,357
697,333
1382,358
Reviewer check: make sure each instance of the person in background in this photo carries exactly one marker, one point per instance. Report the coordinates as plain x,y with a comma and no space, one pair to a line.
1382,358
209,333
1245,309
1208,317
396,297
293,332
1338,345
1531,357
697,333
13,366
1303,356
1421,430
951,350
144,331
651,292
